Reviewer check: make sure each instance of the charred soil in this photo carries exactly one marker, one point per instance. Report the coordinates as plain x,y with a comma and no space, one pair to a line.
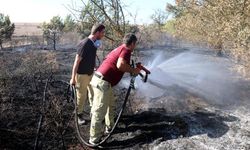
171,121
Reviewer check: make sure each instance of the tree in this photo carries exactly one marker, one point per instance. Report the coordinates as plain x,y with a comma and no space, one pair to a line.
53,30
69,24
223,24
6,29
169,26
159,17
109,12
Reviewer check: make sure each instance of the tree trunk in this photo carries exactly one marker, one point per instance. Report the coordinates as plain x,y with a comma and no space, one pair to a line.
54,45
54,41
1,46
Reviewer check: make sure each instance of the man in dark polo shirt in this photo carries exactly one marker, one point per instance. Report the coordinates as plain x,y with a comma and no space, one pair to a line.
83,67
108,75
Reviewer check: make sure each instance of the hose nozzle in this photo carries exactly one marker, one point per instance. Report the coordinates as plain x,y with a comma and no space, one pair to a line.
141,67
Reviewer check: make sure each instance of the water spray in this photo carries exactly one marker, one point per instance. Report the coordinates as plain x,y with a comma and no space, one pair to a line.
203,75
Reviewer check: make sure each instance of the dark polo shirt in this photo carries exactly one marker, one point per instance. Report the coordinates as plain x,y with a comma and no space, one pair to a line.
87,51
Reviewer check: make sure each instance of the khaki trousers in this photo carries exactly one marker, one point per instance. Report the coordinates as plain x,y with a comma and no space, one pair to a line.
103,107
83,91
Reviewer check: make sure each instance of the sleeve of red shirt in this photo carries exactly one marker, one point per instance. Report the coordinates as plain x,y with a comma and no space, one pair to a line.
125,54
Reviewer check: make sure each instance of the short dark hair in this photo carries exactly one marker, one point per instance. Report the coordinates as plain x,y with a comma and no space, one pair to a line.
97,27
129,39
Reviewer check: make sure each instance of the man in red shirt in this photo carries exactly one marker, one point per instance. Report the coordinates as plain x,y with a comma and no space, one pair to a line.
108,75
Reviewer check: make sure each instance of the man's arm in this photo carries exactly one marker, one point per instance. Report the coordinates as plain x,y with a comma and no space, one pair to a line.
74,69
123,66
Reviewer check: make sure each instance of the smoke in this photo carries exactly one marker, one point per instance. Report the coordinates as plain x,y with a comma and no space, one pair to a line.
206,76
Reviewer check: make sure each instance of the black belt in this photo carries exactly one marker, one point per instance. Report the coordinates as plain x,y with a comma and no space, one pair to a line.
100,76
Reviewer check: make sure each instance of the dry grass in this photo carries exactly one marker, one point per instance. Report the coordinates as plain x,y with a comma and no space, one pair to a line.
27,29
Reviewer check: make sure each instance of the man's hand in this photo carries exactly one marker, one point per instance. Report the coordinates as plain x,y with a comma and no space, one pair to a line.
74,70
72,81
136,71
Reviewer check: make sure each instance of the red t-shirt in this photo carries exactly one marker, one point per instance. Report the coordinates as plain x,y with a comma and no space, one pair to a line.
108,68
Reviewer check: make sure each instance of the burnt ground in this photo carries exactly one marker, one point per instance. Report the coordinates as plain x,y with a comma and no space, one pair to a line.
171,121
192,125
